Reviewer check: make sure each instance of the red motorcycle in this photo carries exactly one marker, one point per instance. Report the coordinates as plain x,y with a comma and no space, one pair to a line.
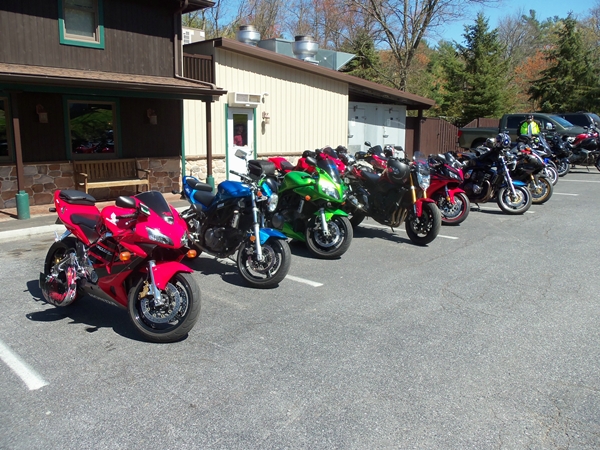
446,177
128,255
283,166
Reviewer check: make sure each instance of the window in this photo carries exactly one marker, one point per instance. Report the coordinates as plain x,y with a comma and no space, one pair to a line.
92,129
80,23
4,129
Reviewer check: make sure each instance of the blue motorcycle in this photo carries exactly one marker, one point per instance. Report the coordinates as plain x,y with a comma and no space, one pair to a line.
232,220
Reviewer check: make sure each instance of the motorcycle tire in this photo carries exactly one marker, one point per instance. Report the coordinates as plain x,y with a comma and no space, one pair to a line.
597,163
551,173
356,218
271,270
563,167
517,205
453,213
543,192
57,252
175,319
334,245
423,230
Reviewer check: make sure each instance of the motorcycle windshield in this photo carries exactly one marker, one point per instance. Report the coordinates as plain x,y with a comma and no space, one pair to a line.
155,201
331,169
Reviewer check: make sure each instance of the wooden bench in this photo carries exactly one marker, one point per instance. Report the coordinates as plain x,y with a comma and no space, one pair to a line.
106,173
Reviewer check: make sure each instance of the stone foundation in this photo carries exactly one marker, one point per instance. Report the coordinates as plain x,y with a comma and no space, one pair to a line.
42,179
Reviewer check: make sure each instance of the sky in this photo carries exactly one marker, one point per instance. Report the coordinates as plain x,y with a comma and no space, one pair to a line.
543,10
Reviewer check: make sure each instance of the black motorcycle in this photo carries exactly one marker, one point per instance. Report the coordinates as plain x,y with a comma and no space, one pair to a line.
397,195
529,168
487,177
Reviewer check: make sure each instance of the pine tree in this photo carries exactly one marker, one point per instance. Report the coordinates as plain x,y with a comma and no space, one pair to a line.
476,84
569,82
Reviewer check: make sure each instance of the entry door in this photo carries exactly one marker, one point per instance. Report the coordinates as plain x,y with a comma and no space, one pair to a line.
240,134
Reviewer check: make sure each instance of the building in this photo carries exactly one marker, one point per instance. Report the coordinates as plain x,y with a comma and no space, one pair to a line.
283,104
100,79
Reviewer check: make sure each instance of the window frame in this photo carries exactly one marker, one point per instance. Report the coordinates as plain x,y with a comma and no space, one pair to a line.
9,141
67,100
80,41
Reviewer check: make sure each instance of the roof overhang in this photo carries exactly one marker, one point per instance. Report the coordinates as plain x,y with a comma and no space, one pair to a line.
358,89
24,77
194,5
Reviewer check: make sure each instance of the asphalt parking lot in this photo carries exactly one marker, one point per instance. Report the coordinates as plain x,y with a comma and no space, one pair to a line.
487,338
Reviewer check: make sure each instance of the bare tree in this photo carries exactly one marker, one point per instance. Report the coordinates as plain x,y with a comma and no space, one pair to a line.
402,25
266,16
218,21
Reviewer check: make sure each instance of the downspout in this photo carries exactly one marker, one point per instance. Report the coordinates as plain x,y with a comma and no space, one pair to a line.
176,48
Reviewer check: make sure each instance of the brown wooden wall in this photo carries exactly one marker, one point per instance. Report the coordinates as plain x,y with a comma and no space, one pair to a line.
138,37
483,122
437,136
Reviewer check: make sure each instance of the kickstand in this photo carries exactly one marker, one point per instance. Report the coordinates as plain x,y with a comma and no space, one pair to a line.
478,207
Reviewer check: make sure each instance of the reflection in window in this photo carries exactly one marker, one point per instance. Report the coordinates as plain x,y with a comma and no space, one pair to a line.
91,127
240,130
3,130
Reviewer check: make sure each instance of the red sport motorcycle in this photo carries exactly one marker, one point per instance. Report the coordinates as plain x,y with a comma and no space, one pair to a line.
129,255
446,177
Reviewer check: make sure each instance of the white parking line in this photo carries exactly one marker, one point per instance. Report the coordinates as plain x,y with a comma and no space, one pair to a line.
560,193
26,373
303,280
381,227
580,181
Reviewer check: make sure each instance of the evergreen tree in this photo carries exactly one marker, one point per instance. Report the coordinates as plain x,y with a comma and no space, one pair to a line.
476,75
569,83
485,72
366,64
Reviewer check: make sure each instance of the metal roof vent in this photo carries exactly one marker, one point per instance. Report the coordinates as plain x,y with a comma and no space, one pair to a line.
305,48
248,35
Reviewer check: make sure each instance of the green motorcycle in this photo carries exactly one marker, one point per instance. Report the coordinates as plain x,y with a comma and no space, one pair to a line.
309,209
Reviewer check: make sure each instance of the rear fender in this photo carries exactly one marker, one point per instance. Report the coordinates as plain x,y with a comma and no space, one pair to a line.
165,270
419,205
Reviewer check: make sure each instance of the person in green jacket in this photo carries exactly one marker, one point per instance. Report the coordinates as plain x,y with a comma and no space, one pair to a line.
529,127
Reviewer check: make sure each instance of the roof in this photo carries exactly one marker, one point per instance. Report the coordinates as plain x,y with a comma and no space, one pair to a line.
173,87
361,90
194,5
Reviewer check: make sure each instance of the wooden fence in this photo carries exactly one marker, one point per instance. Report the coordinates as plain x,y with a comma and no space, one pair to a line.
437,136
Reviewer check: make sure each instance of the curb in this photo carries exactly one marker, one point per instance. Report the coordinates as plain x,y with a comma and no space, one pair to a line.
11,235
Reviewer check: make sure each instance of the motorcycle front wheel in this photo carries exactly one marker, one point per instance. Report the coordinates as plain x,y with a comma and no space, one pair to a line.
271,270
517,204
543,191
171,321
423,230
333,244
453,213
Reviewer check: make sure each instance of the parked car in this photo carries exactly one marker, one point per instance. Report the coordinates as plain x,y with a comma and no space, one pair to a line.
509,123
581,118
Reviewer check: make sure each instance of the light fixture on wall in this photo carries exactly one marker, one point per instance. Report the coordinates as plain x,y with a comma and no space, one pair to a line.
42,114
265,94
266,118
152,117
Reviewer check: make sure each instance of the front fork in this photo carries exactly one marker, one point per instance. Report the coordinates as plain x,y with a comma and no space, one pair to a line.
418,206
324,226
255,212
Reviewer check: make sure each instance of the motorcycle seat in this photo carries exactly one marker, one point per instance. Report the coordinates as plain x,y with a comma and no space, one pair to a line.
204,197
199,185
75,197
370,178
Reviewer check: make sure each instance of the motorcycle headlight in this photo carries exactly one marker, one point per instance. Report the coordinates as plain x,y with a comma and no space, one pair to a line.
329,189
424,181
272,202
157,236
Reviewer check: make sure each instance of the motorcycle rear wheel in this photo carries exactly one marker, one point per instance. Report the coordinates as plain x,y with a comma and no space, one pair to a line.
333,245
423,230
563,167
543,192
57,252
551,173
171,322
517,205
271,270
356,218
453,213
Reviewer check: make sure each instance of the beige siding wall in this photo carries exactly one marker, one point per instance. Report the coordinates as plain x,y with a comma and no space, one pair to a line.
307,111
